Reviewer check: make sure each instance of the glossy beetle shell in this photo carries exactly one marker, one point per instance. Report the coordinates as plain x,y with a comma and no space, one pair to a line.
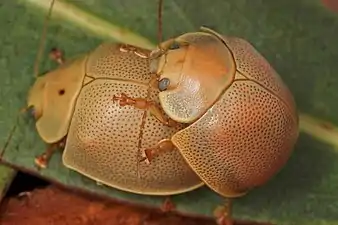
102,137
242,118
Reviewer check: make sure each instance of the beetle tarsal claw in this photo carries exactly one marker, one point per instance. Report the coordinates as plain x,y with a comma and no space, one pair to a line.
41,161
145,158
149,155
137,51
161,147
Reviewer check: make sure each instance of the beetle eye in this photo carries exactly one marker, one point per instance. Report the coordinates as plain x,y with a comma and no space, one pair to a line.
174,45
163,84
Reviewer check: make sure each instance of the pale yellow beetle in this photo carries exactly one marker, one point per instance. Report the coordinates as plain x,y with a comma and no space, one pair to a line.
81,107
242,118
76,103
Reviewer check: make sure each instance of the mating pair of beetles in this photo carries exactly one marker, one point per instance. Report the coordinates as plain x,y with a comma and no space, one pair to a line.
200,109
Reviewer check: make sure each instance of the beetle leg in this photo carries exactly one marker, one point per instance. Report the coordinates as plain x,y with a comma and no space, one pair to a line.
164,47
167,205
141,103
161,50
57,55
157,113
161,147
153,83
42,160
223,214
137,51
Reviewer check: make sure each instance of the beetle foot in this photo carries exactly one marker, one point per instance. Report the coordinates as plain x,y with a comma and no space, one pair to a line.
123,100
149,155
137,51
139,103
223,214
161,147
42,160
57,55
168,205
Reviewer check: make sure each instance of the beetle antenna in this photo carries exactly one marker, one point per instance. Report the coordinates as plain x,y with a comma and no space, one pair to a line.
42,40
159,15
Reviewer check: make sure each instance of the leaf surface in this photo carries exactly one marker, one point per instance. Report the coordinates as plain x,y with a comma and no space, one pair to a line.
299,38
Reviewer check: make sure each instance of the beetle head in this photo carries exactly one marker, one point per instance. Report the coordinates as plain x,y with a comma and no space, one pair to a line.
193,71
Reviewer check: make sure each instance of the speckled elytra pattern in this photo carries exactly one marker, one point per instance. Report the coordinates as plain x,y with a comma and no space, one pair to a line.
102,141
248,134
251,64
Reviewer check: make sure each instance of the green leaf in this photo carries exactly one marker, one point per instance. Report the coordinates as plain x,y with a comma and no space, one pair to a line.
297,37
7,175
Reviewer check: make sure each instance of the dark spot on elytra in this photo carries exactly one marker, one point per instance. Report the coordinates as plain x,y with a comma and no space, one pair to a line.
61,91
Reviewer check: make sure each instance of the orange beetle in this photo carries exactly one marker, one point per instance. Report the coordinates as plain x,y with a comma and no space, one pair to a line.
243,122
